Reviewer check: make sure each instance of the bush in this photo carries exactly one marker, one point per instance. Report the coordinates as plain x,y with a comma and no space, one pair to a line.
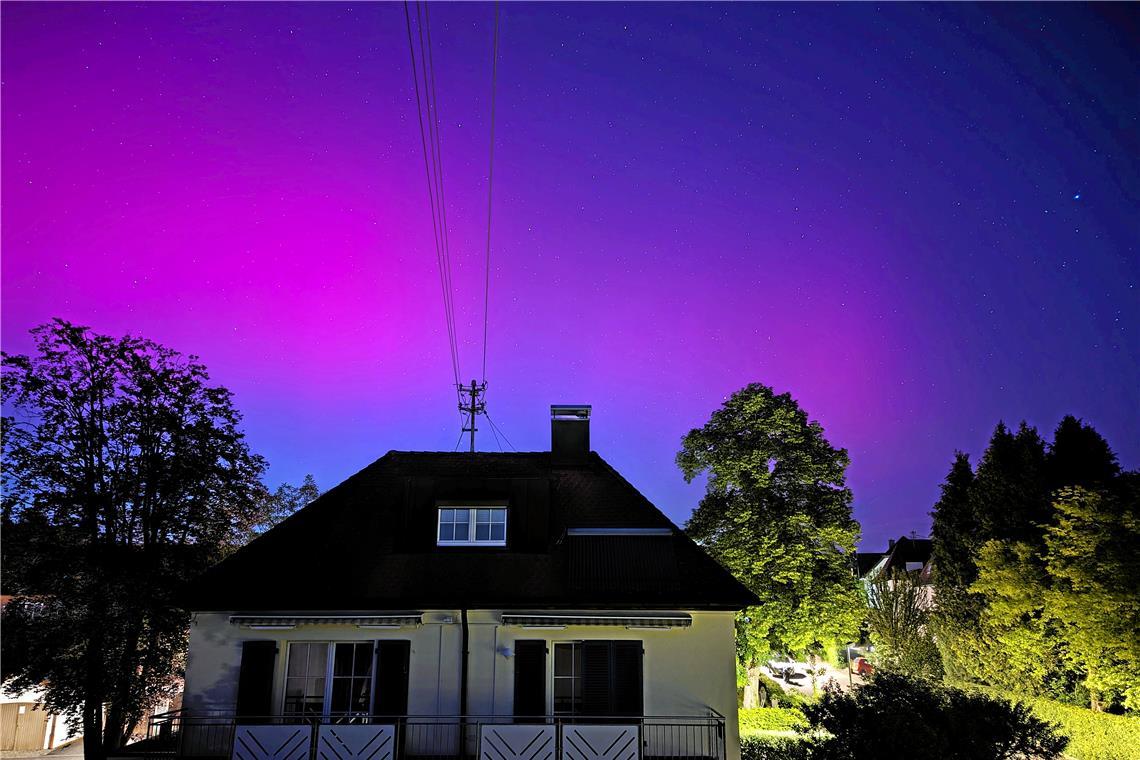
759,747
770,719
786,698
899,717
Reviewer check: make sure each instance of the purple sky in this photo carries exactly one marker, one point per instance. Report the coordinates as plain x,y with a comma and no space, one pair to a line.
919,219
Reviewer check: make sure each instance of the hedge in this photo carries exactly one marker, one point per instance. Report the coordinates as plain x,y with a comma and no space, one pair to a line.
1093,735
758,719
761,747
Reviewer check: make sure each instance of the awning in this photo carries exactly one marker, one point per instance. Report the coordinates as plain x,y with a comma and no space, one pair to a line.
291,621
625,619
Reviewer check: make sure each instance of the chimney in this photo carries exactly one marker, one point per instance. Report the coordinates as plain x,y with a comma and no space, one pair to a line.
569,432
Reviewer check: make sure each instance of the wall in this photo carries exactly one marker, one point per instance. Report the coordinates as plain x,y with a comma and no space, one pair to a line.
686,670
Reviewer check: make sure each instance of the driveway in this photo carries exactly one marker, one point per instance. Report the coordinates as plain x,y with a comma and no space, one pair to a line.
69,751
830,675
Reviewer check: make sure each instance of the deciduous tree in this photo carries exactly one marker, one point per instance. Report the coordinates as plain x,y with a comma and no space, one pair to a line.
126,472
777,513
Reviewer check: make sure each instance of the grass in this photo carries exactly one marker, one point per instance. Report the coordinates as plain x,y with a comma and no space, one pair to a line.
1092,735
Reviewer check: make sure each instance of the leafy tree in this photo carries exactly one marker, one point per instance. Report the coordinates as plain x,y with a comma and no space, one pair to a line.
126,473
777,514
1093,562
897,619
1033,567
897,716
286,500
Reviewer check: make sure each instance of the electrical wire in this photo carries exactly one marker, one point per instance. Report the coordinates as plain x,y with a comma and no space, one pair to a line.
496,428
490,185
435,197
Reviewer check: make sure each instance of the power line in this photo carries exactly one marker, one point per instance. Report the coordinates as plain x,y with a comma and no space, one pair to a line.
490,186
435,197
428,58
499,430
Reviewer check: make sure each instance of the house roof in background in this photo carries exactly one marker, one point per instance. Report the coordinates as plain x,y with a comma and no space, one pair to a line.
359,546
905,551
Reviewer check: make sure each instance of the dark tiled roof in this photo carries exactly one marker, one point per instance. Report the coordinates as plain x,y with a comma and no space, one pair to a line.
899,554
866,561
369,544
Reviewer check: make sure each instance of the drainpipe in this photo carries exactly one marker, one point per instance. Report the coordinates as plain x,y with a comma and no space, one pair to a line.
463,684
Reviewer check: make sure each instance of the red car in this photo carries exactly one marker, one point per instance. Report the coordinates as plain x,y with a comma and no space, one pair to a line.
862,667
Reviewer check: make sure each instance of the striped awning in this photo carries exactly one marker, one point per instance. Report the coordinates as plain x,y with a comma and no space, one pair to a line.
284,621
544,619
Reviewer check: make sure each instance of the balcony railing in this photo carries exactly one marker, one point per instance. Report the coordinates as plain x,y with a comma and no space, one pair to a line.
206,735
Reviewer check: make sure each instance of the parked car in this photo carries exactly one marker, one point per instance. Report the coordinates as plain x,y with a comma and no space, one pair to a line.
862,667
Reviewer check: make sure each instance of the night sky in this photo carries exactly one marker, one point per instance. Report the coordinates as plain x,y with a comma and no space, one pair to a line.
918,219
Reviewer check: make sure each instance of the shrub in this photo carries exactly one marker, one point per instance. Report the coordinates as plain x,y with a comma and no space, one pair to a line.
786,698
770,719
760,747
899,717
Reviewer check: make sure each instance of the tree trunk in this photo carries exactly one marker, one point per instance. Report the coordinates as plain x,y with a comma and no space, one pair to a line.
93,729
752,687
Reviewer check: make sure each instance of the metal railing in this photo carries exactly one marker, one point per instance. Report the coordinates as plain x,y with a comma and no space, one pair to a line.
183,734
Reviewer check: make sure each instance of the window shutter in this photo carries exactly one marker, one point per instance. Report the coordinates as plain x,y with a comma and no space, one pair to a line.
255,679
627,678
390,687
596,656
530,677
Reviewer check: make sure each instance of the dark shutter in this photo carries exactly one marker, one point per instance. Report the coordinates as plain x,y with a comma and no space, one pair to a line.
530,677
391,683
596,657
627,678
255,680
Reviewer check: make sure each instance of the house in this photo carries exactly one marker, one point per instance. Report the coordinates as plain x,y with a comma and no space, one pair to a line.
524,605
906,555
25,724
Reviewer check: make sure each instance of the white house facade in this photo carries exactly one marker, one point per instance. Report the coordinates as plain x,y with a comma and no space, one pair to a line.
438,606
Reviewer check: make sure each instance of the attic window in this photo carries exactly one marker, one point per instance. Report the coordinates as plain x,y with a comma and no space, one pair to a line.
472,526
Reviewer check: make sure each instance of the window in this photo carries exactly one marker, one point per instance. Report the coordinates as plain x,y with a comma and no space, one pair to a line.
325,678
567,679
472,526
598,678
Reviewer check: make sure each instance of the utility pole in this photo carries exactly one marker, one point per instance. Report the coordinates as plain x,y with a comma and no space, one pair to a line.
471,404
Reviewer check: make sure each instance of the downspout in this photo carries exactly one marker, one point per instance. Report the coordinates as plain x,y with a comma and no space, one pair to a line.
465,635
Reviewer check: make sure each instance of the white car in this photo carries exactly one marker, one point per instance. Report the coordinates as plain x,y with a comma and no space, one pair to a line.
789,669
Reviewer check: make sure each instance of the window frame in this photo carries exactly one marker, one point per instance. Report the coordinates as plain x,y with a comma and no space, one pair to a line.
328,677
472,509
575,661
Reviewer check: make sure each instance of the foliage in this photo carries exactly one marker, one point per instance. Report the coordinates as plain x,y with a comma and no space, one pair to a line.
286,500
897,716
777,514
785,697
125,473
897,617
1093,735
767,747
1093,565
757,719
1036,578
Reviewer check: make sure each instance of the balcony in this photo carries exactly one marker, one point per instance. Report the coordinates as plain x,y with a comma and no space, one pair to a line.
210,736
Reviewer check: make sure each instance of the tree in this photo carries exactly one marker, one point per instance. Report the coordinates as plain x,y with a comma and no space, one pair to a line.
125,474
286,500
777,514
1033,568
1093,562
897,716
897,619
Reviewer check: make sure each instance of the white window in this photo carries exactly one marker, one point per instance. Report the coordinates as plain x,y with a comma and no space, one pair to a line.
472,526
325,678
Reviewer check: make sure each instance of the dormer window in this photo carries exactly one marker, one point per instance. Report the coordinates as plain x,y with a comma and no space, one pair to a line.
472,526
